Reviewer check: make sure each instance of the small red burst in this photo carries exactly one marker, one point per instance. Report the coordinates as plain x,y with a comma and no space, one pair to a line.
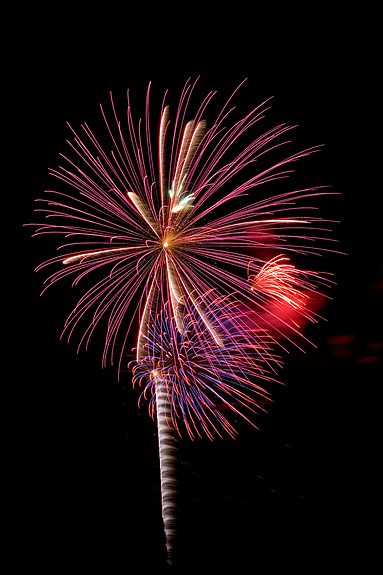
289,296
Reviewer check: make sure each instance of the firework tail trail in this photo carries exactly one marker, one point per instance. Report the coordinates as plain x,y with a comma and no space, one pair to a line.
167,436
167,446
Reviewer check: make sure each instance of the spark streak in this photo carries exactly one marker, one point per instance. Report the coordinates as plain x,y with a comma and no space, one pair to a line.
106,252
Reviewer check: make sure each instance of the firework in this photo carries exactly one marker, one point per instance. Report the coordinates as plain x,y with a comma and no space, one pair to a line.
191,381
283,282
206,383
178,220
165,231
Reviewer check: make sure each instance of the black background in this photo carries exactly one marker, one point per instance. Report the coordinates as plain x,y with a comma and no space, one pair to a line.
85,474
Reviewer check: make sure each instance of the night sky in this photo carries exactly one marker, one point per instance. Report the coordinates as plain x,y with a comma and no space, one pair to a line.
290,495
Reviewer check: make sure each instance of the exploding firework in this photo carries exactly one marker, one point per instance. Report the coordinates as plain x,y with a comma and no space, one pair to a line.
172,221
205,381
286,285
166,233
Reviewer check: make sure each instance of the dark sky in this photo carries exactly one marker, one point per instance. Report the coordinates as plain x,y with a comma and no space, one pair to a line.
87,481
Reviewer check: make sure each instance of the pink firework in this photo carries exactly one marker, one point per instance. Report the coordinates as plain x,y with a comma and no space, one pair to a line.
177,218
165,221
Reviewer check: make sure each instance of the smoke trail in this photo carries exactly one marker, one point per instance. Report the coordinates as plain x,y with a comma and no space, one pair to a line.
167,442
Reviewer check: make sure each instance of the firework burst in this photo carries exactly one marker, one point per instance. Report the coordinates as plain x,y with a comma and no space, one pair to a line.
177,220
207,384
166,231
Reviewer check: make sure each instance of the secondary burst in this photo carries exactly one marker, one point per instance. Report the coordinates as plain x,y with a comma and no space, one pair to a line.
207,385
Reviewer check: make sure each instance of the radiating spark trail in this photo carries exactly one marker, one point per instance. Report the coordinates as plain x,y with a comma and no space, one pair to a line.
105,252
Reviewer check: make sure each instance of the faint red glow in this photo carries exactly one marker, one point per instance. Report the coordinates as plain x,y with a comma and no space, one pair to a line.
341,346
347,346
375,345
341,339
368,359
283,317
